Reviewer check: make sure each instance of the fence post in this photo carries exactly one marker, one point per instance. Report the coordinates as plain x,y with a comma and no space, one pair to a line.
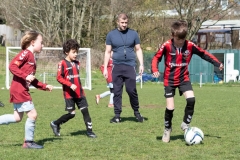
200,79
44,77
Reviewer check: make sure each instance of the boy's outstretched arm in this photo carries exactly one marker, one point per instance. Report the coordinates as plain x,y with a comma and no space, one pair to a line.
207,56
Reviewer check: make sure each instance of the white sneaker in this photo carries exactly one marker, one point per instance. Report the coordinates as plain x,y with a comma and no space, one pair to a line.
166,135
184,126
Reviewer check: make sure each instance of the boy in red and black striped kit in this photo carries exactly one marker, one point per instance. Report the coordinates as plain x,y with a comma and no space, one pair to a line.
68,76
177,54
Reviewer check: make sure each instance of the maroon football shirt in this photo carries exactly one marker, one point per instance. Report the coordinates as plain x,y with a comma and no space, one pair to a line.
22,65
109,69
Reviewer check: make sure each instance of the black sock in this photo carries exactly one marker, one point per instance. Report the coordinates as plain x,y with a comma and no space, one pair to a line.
64,118
87,119
168,118
189,110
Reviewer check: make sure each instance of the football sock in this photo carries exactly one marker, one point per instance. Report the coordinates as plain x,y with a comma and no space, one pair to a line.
189,110
111,90
87,118
111,98
29,129
64,118
104,94
7,118
168,118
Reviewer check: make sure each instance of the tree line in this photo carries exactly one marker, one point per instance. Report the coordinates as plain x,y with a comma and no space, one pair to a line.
88,21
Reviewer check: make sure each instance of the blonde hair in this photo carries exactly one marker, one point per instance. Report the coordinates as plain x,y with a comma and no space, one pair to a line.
28,37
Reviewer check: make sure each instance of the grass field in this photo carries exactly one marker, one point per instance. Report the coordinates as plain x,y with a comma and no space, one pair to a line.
216,113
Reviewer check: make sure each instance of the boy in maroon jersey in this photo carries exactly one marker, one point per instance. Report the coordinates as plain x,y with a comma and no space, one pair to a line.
109,84
68,76
177,54
23,68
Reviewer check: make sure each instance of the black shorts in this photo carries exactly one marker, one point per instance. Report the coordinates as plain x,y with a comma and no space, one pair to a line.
80,102
170,90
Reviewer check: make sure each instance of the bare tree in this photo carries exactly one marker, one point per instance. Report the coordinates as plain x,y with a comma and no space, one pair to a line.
81,19
195,12
57,20
89,21
43,16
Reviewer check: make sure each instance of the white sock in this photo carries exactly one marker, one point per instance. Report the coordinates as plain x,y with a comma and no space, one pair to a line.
111,98
7,118
104,94
29,129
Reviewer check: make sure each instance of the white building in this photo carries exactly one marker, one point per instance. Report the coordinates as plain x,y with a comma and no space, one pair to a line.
10,36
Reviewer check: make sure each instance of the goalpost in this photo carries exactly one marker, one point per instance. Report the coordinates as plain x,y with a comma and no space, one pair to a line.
47,62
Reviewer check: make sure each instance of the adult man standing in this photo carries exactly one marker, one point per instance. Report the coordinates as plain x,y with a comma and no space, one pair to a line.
124,42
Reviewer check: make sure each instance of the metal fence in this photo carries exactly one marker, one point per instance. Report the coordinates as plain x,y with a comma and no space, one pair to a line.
9,42
200,70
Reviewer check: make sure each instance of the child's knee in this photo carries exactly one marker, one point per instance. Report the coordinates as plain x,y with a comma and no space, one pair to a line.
71,115
18,118
190,101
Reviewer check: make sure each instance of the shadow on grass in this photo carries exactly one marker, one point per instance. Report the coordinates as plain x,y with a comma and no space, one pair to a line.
173,138
10,144
207,135
48,140
40,142
82,132
124,119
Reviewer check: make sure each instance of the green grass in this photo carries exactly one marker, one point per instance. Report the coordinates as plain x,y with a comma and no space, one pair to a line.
216,113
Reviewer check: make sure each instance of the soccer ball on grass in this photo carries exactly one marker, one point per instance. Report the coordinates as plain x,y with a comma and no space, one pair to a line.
193,135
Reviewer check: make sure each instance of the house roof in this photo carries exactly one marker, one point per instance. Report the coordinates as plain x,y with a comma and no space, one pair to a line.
223,24
224,30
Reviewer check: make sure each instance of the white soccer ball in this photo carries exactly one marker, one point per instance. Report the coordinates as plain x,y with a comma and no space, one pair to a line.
193,135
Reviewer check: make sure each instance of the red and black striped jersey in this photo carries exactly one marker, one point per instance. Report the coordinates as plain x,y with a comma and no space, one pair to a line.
177,60
68,74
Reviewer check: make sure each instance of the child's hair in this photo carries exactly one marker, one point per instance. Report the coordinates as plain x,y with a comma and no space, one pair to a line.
27,38
179,28
70,44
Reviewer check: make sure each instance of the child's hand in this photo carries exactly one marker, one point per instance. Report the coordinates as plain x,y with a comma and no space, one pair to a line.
73,87
30,78
49,87
156,74
105,73
221,67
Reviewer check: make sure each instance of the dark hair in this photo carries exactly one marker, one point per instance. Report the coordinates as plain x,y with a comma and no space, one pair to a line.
70,44
179,28
27,38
